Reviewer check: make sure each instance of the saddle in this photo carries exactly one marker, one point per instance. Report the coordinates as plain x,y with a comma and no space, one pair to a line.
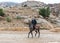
37,26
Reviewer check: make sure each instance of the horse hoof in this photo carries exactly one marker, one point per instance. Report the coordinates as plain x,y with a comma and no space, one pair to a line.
28,36
31,37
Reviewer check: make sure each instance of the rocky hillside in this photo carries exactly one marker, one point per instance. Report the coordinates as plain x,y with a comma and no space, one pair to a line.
22,12
28,3
33,4
55,9
18,12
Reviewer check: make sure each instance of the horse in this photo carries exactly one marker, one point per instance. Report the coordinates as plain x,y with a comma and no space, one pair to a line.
37,30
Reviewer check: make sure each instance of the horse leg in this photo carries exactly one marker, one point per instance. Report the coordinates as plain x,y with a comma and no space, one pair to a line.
29,34
35,33
38,33
32,34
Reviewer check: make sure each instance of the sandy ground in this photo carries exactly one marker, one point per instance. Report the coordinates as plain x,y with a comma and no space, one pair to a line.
21,37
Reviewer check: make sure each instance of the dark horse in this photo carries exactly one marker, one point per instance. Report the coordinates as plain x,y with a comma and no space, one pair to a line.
37,30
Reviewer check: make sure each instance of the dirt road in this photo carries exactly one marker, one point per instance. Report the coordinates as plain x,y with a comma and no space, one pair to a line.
21,37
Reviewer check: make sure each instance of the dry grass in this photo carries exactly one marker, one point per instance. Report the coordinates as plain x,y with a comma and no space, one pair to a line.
55,29
14,29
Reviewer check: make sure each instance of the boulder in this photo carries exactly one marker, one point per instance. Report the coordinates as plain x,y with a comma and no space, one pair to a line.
27,20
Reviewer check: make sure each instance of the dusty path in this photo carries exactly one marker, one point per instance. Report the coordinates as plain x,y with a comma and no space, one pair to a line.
21,37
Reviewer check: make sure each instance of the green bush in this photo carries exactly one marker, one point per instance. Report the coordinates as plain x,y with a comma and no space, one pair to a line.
8,19
42,12
18,17
1,12
45,12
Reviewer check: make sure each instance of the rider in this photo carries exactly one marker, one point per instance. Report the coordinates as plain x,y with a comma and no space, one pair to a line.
34,22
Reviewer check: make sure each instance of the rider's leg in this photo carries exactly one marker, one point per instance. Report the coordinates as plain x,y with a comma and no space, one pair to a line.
33,27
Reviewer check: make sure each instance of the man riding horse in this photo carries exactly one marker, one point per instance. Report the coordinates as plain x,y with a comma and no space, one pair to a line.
33,27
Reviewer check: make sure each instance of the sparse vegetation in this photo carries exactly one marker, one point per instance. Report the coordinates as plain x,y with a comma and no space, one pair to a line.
45,12
1,13
18,17
8,19
43,28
